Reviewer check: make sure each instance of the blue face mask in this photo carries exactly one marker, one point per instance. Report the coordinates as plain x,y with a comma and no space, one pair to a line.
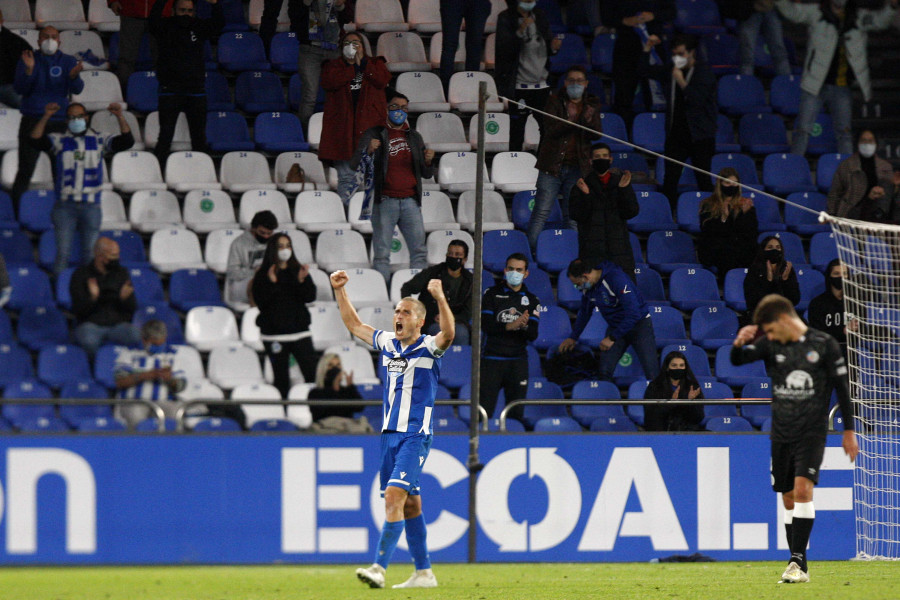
527,6
583,287
397,117
78,125
514,278
575,91
156,348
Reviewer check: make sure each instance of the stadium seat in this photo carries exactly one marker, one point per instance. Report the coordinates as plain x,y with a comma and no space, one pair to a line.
323,283
713,326
250,333
295,91
262,417
131,247
670,250
35,207
557,425
15,365
240,172
217,247
100,89
233,365
438,241
804,222
143,91
97,424
698,17
19,414
259,91
688,211
744,165
725,135
326,327
812,283
784,174
113,208
216,425
226,131
463,91
191,170
284,51
59,14
207,327
279,132
173,249
655,213
556,248
571,52
357,360
255,200
319,211
594,331
822,249
696,359
42,326
367,288
181,138
762,133
826,166
822,138
104,121
541,389
741,94
437,212
723,53
496,132
595,390
150,425
341,249
16,248
614,127
650,284
456,366
435,47
425,92
768,215
7,212
47,251
61,364
398,278
376,16
784,95
164,313
649,131
792,244
242,51
148,288
734,289
733,375
538,284
189,288
668,326
602,52
17,14
152,210
218,94
494,214
553,327
728,424
209,210
499,244
442,132
404,51
424,15
513,172
30,287
313,171
135,170
457,171
41,179
6,331
716,390
364,226
86,390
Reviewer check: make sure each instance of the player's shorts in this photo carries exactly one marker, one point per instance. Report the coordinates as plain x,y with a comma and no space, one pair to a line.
799,458
402,458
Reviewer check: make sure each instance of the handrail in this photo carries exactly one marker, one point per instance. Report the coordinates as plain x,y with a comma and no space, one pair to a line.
155,408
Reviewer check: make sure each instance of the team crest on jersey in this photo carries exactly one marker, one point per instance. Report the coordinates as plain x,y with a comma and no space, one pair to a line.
779,358
525,301
397,365
812,356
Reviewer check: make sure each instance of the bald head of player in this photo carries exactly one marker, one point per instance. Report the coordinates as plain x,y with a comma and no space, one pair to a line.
776,316
409,318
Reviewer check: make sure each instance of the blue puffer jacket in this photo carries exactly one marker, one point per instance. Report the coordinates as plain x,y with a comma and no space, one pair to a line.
617,298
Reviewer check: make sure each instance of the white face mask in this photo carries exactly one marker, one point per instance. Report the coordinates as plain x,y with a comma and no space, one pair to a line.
285,254
867,150
680,62
49,46
349,51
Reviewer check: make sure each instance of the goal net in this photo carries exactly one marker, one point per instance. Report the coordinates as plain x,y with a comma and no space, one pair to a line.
871,252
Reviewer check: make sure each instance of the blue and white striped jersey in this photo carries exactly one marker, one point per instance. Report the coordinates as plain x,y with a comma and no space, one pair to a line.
410,378
138,361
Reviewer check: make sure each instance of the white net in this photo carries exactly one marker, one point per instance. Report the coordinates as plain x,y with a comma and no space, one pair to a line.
871,252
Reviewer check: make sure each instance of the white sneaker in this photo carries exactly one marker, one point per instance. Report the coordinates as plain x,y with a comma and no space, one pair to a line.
372,576
794,574
423,578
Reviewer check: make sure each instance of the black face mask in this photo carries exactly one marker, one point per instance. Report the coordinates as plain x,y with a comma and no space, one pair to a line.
730,191
112,265
454,263
330,376
677,374
773,256
261,239
601,165
836,282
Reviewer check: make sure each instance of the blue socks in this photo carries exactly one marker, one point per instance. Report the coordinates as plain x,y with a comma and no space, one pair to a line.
390,535
415,537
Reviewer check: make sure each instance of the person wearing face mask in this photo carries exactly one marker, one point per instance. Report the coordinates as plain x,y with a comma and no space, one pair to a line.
770,273
863,184
103,300
510,315
244,257
333,383
79,175
564,155
826,311
676,381
606,288
728,226
355,98
836,55
601,203
181,68
42,78
281,288
457,282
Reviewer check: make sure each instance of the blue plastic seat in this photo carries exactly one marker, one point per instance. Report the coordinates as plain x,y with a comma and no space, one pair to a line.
104,365
690,287
538,283
571,52
259,91
637,164
7,212
650,285
636,391
165,314
557,425
227,131
143,91
242,51
273,425
15,247
284,52
456,366
30,287
713,326
47,250
822,138
6,330
147,286
825,169
556,248
98,424
131,247
621,424
614,126
189,288
812,283
499,244
804,222
744,165
512,426
784,95
523,203
722,53
144,60
655,213
279,132
594,331
687,182
541,389
669,250
216,424
595,390
668,326
62,364
42,326
602,52
43,425
698,16
687,212
725,135
649,131
629,369
27,389
728,424
696,357
566,294
218,94
449,425
742,94
295,89
733,289
736,376
61,288
151,425
636,248
757,413
90,390
787,173
768,215
15,365
553,328
762,133
822,249
791,242
35,208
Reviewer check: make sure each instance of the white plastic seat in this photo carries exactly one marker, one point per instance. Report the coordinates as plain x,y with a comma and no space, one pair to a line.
101,17
379,316
456,172
437,212
208,210
302,247
199,389
364,226
189,170
324,292
135,170
357,360
181,139
78,42
442,132
399,277
399,258
463,92
319,211
173,249
29,35
315,130
215,251
327,327
496,132
403,50
312,167
234,365
259,412
100,89
17,14
341,249
61,14
424,15
242,171
377,16
113,209
152,210
250,334
532,135
42,179
255,11
435,47
367,287
495,213
438,241
513,172
424,90
207,327
254,201
300,415
104,121
187,360
10,118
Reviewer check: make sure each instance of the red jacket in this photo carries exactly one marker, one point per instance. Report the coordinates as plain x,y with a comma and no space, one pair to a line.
340,128
135,8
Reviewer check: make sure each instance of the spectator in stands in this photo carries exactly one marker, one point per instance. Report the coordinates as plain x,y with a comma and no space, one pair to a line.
826,311
317,44
181,69
354,102
728,226
510,315
564,156
676,381
148,373
47,77
103,300
691,118
639,26
770,273
457,281
601,203
453,12
133,24
5,286
11,49
333,383
863,185
607,289
400,163
524,46
245,255
836,54
754,18
281,289
79,175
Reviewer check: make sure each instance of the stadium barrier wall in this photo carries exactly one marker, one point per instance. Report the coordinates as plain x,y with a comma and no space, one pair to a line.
130,499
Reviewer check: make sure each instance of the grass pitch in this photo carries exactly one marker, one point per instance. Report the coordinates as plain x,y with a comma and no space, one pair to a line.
693,581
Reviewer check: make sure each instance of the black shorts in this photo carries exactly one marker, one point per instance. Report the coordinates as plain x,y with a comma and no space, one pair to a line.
799,458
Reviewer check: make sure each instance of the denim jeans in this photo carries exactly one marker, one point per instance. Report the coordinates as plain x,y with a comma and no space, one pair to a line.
643,340
68,217
840,106
461,337
770,24
406,214
475,13
346,180
309,67
548,188
91,336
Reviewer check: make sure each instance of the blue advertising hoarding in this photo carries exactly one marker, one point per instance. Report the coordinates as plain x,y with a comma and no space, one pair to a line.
302,498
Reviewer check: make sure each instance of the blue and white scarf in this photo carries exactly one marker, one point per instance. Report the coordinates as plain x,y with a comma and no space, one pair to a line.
365,180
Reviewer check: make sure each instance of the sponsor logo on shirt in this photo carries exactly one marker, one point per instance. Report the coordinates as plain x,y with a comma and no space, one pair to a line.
509,315
397,365
798,385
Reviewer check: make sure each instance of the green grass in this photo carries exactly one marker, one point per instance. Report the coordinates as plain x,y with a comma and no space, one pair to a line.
692,581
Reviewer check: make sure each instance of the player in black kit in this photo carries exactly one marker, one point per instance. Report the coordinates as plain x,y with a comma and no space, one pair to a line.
804,364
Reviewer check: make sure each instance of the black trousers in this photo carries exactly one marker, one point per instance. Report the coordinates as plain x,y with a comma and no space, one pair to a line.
681,148
268,22
627,82
28,154
194,108
280,353
518,116
510,375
